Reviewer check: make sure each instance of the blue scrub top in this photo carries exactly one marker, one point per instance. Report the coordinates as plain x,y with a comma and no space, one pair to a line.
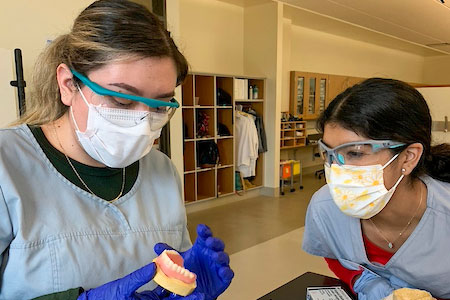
55,236
423,261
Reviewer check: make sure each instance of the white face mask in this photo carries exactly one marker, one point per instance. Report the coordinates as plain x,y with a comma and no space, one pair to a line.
359,191
116,137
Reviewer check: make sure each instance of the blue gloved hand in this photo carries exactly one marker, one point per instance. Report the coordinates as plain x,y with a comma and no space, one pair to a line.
208,261
398,283
370,286
125,288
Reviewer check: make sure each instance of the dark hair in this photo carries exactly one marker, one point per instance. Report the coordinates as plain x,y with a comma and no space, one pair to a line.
388,109
104,32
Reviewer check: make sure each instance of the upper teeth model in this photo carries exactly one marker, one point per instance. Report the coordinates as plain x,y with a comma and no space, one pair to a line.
171,275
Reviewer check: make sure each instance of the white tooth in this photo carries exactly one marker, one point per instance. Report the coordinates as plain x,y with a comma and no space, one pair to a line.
173,266
178,269
191,275
165,259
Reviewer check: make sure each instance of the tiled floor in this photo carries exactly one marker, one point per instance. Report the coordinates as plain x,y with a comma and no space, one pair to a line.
263,237
252,221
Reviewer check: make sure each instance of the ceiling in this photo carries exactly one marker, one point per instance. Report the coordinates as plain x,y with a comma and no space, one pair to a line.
416,26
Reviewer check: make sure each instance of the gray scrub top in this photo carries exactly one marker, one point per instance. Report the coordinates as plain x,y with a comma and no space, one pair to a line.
55,236
423,261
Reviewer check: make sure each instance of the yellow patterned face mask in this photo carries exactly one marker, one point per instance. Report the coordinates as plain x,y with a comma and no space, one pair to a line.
359,191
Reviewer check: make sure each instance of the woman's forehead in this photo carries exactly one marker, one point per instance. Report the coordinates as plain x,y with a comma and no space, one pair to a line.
151,76
335,135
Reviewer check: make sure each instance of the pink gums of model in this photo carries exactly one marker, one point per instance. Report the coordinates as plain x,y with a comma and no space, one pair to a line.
171,263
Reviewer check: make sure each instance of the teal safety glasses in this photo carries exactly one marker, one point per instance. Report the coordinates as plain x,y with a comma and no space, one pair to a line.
356,153
154,103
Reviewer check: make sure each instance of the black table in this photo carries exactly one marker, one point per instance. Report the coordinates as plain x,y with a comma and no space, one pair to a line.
296,288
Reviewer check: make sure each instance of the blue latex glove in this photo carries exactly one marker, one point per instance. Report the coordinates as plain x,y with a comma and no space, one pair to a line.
370,286
397,283
125,288
208,261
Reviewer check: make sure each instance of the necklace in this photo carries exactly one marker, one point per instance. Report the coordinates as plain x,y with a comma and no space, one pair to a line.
78,175
391,244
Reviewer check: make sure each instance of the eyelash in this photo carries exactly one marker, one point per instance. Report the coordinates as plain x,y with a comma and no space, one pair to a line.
119,104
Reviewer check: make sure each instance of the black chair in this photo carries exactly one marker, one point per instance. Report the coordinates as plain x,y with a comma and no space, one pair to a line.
313,139
321,172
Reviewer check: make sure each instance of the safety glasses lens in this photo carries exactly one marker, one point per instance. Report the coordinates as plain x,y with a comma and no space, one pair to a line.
160,117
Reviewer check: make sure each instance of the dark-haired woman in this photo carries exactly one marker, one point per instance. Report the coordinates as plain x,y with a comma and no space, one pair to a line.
84,198
382,222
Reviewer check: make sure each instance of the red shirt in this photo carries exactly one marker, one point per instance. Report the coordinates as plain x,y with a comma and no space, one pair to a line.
374,254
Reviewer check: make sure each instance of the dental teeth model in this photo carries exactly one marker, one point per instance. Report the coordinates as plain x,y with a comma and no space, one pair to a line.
171,275
409,294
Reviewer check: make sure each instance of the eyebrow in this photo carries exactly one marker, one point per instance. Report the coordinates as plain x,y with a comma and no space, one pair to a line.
127,87
137,92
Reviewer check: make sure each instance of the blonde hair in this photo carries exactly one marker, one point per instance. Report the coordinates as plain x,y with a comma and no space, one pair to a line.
106,31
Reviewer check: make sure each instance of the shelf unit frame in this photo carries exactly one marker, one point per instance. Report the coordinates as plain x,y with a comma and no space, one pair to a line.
288,136
212,182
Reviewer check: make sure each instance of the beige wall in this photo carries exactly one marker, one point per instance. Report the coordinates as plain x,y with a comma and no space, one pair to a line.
437,70
9,109
321,52
28,25
315,51
263,57
211,36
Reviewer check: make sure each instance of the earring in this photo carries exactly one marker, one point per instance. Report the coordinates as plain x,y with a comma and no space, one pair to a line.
403,170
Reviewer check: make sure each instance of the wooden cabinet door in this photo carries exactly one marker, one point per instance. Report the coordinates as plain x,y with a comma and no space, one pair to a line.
308,96
339,83
297,93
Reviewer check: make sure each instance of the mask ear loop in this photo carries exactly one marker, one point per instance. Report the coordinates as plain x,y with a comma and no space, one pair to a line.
389,162
71,110
82,95
403,170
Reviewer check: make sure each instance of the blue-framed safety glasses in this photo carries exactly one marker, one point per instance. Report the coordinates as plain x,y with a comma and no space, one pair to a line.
160,111
356,153
154,103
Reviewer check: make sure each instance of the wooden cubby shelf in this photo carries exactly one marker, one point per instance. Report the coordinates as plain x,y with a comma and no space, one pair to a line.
206,184
225,181
208,113
213,96
293,134
225,155
188,129
189,187
189,155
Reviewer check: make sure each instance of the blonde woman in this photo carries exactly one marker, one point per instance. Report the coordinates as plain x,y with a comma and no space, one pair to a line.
85,200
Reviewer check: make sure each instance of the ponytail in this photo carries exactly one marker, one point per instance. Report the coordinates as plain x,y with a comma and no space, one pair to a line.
437,162
43,105
106,31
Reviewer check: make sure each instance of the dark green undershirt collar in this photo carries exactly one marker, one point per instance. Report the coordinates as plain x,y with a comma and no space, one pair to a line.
105,182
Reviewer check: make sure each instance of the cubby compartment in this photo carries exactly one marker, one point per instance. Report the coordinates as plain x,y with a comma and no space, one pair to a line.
189,187
225,152
300,141
260,84
204,90
206,155
206,184
204,120
188,91
189,156
188,123
225,181
224,122
224,91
